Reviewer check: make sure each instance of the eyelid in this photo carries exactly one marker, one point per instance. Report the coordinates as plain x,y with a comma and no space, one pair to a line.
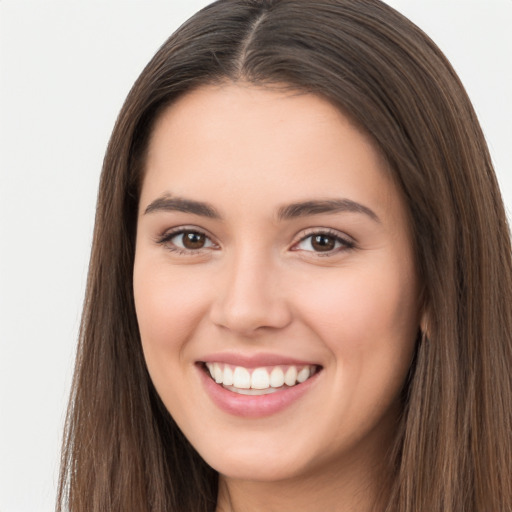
347,241
167,236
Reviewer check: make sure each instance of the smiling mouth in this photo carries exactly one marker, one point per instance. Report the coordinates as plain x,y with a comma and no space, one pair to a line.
259,381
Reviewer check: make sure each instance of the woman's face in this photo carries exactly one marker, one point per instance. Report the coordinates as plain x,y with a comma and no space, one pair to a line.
273,250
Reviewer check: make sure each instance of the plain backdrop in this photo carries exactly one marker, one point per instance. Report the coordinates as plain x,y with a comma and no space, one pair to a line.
65,69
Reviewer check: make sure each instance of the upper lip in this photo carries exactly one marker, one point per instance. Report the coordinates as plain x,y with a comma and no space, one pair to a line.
254,360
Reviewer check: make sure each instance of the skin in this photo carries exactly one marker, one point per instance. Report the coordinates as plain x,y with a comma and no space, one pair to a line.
258,285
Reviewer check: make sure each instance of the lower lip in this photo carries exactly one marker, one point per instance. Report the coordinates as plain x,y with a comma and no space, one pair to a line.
254,406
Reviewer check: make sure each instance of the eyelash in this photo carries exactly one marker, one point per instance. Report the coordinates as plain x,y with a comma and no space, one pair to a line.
169,235
345,244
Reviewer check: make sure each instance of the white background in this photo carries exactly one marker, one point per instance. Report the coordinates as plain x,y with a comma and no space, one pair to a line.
65,69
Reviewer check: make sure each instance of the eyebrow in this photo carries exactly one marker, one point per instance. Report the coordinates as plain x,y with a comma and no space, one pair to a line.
179,204
287,212
317,207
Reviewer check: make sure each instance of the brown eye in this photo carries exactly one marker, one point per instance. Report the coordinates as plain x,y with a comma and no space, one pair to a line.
187,240
323,243
193,240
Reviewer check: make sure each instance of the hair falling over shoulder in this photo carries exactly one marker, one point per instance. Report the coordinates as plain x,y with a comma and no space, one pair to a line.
453,448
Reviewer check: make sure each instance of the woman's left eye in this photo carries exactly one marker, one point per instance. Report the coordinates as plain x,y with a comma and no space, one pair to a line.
323,243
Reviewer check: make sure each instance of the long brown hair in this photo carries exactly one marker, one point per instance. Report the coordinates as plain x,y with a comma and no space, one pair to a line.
453,451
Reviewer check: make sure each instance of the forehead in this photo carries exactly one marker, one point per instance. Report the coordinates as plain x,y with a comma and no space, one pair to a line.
234,141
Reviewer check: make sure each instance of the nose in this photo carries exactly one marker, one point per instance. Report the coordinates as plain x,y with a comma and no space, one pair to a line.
250,297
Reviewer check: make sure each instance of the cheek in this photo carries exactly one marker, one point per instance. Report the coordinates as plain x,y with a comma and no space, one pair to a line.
366,318
368,321
169,306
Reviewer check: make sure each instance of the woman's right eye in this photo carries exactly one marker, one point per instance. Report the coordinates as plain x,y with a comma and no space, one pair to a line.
186,240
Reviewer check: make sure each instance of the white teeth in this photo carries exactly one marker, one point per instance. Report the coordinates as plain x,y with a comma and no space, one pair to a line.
252,392
303,375
228,376
291,376
277,377
218,373
260,379
240,379
211,370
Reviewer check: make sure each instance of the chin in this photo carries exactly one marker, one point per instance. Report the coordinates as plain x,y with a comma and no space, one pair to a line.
264,458
262,469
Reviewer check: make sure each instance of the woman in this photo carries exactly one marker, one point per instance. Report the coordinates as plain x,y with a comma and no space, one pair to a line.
299,292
